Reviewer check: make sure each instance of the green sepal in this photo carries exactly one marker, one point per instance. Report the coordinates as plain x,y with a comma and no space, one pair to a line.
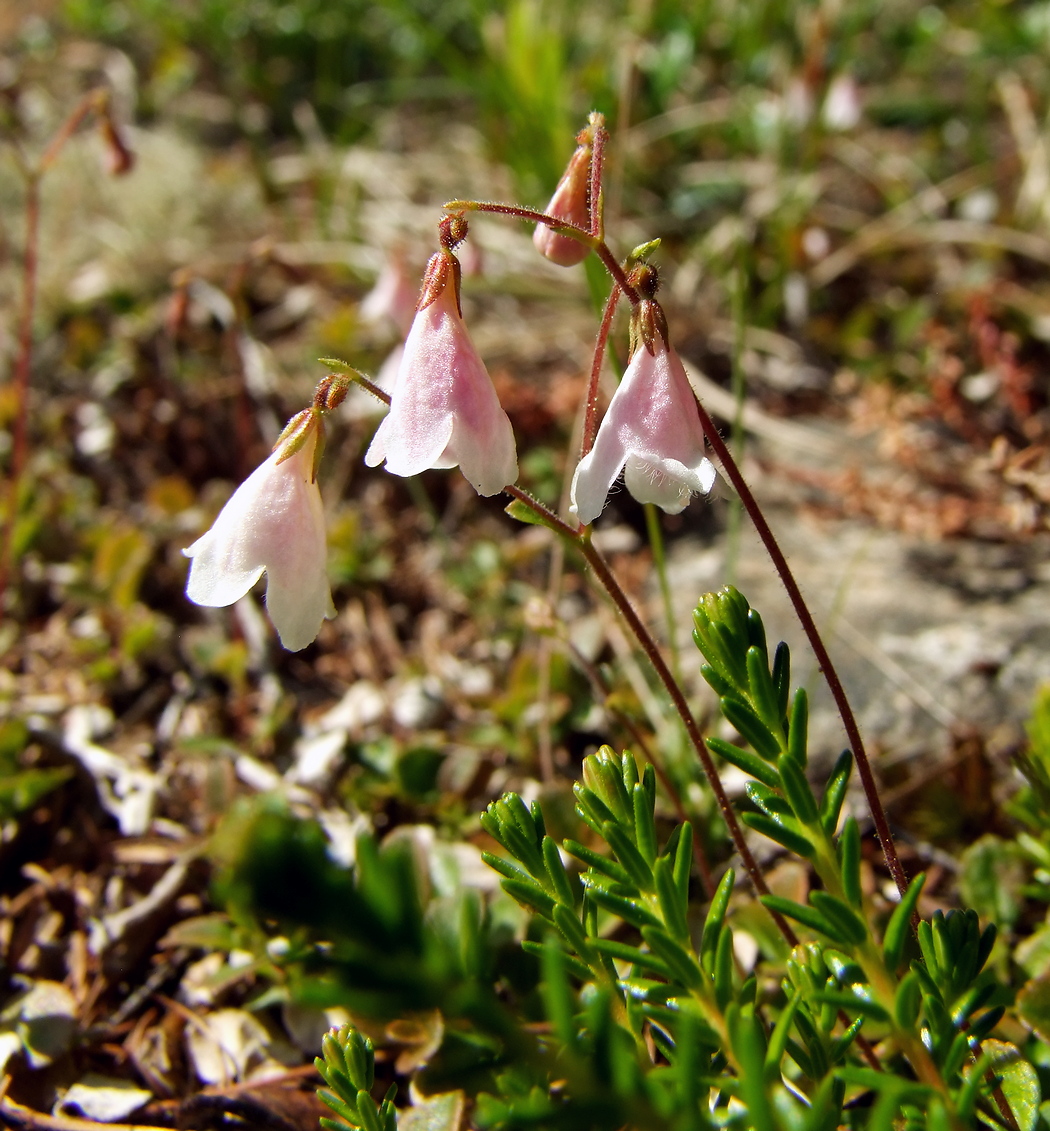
747,722
793,841
841,914
522,512
797,790
744,760
900,924
808,916
849,862
835,793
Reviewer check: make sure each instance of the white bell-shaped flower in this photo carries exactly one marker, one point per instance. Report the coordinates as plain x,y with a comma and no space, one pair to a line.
274,522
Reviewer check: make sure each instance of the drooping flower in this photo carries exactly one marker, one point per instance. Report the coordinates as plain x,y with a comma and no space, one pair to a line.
274,522
444,410
651,432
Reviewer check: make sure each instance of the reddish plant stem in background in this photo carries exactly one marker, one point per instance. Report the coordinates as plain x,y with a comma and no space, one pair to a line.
96,101
831,676
663,673
590,418
23,366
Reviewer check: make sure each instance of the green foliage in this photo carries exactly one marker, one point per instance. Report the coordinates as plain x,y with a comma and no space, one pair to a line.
648,1022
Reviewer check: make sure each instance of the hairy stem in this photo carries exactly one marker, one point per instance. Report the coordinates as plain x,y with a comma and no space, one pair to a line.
590,419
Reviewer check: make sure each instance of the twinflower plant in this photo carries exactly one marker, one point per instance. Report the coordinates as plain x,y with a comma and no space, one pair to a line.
642,1011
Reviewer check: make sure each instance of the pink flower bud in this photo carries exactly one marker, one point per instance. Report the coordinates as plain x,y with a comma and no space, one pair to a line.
273,522
652,433
570,203
444,410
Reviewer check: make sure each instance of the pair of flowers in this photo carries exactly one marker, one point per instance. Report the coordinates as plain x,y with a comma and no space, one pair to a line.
444,412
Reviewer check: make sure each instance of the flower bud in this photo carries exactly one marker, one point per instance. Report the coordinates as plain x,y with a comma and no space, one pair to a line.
571,202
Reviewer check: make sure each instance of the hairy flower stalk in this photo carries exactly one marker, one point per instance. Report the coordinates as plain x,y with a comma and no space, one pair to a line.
274,523
444,411
652,431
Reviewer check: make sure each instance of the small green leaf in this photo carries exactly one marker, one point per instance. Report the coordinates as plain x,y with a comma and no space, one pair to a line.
846,920
672,906
798,727
763,693
556,871
853,1004
793,841
627,909
744,760
808,916
899,926
741,716
797,790
835,792
529,895
716,914
849,862
599,863
628,855
681,963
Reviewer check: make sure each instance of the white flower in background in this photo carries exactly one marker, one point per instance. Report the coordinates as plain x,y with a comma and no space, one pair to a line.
274,523
651,432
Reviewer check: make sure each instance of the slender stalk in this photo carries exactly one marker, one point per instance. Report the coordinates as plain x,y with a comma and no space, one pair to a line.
599,247
831,676
674,691
23,367
590,419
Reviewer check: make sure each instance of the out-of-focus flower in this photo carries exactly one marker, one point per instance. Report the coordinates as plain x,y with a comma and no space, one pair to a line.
842,106
444,410
393,298
274,522
571,202
651,432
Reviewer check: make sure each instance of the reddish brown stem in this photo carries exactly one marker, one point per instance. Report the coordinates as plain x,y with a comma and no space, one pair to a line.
663,673
601,249
831,676
23,366
590,418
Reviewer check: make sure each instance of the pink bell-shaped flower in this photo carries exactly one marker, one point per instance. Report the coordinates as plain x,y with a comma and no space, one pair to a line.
444,410
651,432
274,522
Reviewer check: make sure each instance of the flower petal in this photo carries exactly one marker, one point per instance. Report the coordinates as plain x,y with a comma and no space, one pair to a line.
273,522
